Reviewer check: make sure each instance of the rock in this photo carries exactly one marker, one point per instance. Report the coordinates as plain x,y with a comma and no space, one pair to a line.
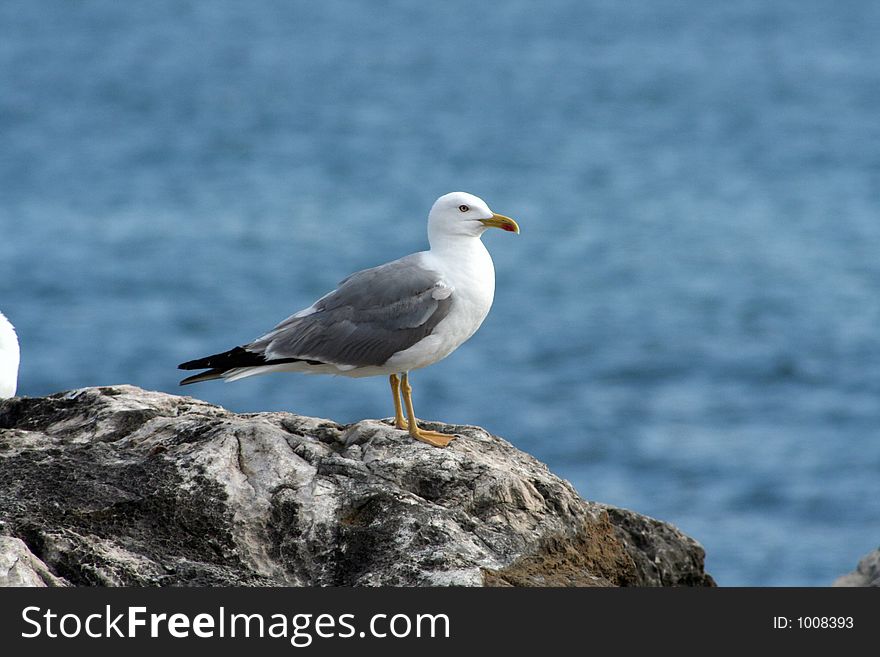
19,566
867,573
118,486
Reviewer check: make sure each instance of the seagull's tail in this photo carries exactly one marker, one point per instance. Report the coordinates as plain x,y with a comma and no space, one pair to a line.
221,365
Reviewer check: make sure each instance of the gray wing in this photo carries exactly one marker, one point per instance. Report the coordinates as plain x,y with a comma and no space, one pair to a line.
371,316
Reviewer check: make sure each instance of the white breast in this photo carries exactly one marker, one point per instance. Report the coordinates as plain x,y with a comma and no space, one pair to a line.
470,273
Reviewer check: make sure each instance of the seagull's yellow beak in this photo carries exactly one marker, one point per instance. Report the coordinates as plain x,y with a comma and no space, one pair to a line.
502,222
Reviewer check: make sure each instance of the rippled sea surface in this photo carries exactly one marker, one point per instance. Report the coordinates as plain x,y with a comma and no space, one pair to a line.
687,326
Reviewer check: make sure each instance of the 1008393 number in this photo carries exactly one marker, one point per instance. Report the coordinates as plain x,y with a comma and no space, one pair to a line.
825,622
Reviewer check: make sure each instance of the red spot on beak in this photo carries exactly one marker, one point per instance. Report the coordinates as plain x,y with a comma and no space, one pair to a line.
509,229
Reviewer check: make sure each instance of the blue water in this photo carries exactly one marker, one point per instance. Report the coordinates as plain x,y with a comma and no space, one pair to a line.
687,326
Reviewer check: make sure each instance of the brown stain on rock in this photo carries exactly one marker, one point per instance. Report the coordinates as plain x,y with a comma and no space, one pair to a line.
593,556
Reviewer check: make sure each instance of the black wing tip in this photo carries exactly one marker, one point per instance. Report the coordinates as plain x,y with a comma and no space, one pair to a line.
192,364
204,376
225,360
218,364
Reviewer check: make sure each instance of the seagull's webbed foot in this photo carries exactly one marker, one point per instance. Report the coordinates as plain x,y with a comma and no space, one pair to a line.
434,438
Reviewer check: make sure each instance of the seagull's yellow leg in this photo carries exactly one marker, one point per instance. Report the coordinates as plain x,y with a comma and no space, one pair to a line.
434,438
399,420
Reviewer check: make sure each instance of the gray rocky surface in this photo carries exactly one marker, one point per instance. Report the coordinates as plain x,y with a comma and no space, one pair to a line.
19,566
118,486
867,573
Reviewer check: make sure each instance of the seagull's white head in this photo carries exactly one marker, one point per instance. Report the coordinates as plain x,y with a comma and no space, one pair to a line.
9,355
460,214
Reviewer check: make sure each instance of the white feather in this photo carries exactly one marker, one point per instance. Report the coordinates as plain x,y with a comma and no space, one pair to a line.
9,359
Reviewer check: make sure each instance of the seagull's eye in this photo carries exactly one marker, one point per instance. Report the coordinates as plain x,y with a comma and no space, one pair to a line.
463,208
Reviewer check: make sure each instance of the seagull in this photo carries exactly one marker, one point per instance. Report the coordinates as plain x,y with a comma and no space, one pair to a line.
387,320
9,357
